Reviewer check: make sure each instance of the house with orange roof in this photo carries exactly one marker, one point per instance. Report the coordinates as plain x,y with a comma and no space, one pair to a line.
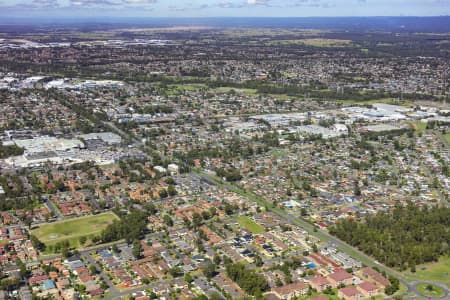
340,277
368,289
349,293
319,283
291,291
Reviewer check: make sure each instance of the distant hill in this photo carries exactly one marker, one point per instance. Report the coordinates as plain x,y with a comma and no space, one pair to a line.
395,24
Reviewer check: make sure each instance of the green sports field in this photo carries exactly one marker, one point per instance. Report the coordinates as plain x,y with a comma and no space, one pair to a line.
73,229
447,138
250,225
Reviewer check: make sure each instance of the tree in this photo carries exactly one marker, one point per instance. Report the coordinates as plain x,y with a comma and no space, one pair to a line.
197,219
137,249
130,227
250,281
24,272
13,150
303,212
258,261
421,231
209,271
212,211
115,249
82,240
92,269
28,221
168,220
188,278
163,193
65,251
171,190
356,189
229,209
217,260
37,243
176,271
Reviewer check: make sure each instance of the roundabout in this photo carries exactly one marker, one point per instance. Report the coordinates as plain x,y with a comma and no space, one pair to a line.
430,290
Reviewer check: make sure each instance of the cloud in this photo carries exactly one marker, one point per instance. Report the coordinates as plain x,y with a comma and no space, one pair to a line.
140,1
46,3
230,4
257,2
95,3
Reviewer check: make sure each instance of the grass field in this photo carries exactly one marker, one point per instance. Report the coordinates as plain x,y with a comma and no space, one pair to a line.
225,89
373,101
250,225
327,42
447,138
403,289
435,272
430,290
188,87
419,126
277,154
71,230
318,42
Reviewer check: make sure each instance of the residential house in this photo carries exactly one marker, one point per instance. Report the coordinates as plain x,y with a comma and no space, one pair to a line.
291,291
368,289
374,276
349,293
319,283
340,277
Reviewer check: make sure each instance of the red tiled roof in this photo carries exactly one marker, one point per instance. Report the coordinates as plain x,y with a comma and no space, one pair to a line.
367,286
340,275
287,289
349,291
319,280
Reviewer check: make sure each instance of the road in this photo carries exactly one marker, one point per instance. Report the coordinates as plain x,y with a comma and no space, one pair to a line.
124,134
430,174
113,291
140,288
54,209
324,236
442,286
311,229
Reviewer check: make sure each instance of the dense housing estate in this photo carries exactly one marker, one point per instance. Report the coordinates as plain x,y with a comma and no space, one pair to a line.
201,164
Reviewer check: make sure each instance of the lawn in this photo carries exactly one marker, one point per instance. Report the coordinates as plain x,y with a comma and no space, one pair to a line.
317,42
277,154
73,229
447,138
188,87
326,42
373,101
250,225
403,289
430,290
226,89
419,126
435,272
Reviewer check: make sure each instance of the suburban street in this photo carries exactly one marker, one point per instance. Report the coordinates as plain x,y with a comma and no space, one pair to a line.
326,237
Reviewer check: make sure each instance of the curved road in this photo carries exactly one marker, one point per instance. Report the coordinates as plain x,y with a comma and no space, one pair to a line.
444,288
311,229
326,237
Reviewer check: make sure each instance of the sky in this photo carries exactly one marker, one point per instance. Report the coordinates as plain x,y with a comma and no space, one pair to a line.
221,8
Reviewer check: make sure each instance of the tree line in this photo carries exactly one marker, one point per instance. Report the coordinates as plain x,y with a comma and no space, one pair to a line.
402,238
